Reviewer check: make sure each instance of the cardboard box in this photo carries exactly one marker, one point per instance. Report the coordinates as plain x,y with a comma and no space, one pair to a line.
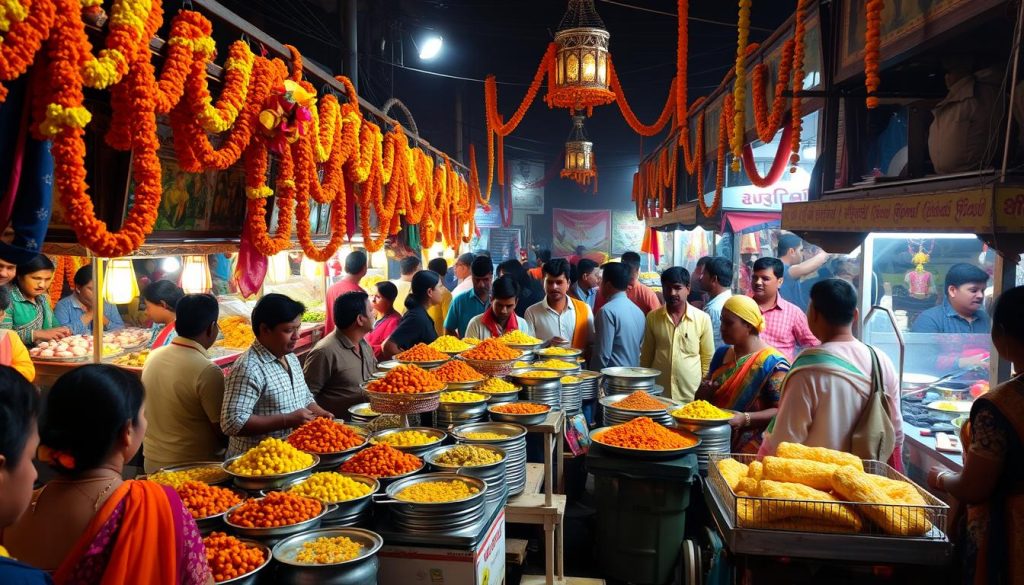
430,565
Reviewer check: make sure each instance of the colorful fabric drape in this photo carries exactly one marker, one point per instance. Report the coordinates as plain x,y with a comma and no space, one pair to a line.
750,384
141,534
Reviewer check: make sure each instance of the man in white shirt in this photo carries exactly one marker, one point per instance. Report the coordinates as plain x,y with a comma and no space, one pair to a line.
500,317
560,318
716,279
462,272
828,386
409,266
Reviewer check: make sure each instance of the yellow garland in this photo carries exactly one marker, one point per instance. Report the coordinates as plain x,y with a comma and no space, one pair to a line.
58,116
237,72
739,97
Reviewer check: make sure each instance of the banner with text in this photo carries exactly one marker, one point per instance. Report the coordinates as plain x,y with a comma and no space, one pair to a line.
961,211
573,227
627,232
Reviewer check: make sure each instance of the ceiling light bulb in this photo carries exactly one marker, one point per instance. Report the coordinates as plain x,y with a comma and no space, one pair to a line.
431,47
170,264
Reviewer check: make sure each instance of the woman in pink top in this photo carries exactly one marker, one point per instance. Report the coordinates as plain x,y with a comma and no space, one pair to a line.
387,317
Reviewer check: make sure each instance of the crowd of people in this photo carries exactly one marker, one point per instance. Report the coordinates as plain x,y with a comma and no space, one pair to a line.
791,375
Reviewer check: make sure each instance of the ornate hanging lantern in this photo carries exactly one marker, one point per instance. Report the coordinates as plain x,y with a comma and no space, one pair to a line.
579,155
582,62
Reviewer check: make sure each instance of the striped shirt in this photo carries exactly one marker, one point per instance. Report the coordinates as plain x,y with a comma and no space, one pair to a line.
260,385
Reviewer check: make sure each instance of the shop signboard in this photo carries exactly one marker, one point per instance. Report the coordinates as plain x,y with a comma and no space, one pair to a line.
1010,209
528,180
489,218
591,229
754,198
959,211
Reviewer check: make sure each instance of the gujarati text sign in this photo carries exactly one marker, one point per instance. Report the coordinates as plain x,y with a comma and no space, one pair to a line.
961,211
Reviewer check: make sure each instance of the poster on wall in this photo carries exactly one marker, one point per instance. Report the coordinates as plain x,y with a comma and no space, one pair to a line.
627,232
573,227
527,179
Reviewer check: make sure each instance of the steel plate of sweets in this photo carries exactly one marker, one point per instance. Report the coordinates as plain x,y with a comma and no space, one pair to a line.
422,355
406,389
643,438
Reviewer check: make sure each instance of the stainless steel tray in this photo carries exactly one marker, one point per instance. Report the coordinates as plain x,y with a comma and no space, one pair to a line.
285,551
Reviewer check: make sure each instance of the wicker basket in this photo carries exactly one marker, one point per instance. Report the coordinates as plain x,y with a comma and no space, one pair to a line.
491,367
387,403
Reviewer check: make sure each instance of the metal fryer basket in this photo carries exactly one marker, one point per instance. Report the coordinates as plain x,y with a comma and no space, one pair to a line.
877,519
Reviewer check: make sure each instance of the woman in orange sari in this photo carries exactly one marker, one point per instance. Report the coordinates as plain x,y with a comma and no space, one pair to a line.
991,485
89,526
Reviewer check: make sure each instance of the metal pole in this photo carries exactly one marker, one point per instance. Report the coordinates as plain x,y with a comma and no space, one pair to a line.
351,42
97,319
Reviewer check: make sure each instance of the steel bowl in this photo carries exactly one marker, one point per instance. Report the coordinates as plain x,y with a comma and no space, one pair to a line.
622,379
251,577
520,419
574,368
525,347
418,450
347,510
357,571
276,532
963,407
209,524
701,422
647,453
387,365
569,357
432,508
364,418
267,482
467,386
334,458
520,378
427,365
224,478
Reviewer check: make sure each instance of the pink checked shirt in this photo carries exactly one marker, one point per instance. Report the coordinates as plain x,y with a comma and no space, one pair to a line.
786,328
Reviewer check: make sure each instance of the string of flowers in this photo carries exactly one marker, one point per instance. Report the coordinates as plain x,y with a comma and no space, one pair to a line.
60,272
798,80
627,111
739,90
872,43
778,162
24,37
767,123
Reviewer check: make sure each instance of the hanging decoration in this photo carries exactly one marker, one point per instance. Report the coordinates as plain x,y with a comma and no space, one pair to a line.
580,67
579,165
872,44
262,108
739,89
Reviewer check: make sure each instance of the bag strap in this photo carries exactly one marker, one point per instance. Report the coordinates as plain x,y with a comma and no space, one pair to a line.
877,383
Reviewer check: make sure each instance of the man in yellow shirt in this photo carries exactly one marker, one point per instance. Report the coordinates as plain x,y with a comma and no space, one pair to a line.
678,339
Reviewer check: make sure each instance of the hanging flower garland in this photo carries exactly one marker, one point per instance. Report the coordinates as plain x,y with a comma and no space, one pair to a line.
778,162
739,90
627,111
872,44
798,80
24,37
220,116
256,165
60,272
767,123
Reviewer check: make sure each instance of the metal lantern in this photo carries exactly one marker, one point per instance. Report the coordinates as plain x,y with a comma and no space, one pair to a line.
581,63
579,155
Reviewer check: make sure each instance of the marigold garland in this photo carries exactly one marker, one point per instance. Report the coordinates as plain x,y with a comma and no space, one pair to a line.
739,90
627,111
767,124
798,80
872,44
24,38
61,269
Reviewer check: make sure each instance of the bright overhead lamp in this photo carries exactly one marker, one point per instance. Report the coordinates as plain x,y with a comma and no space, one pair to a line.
431,47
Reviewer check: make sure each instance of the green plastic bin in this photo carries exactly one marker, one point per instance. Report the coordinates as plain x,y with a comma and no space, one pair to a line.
641,514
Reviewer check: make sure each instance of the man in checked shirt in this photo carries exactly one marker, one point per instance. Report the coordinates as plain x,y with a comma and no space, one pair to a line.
785,323
266,394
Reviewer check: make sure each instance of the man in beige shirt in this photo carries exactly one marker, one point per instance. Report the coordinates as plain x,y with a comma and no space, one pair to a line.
343,360
185,390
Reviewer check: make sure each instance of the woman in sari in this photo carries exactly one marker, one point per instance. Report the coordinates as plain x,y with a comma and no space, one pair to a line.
990,489
88,526
30,315
161,298
746,374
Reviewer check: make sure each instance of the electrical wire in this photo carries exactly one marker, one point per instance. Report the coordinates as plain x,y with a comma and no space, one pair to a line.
675,15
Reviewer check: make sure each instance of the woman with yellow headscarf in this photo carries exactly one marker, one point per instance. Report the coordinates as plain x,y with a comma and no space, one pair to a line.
746,374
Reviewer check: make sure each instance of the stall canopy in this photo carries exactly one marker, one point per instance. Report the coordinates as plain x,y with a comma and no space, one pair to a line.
743,222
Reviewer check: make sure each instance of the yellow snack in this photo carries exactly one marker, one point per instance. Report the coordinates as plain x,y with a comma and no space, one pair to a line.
748,486
468,456
819,454
237,332
437,492
558,351
517,337
538,374
732,471
485,436
406,439
205,474
461,396
810,473
891,516
571,380
328,550
366,411
555,365
330,487
756,470
756,513
471,340
521,365
497,386
898,490
449,344
701,409
271,457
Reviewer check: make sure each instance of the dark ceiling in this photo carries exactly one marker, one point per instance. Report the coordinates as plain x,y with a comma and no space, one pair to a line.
507,39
